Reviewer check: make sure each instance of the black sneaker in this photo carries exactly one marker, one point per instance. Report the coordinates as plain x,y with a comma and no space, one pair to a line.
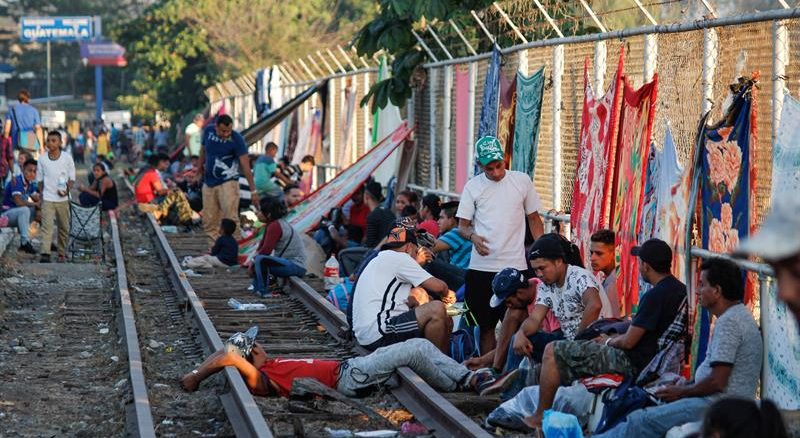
45,258
27,247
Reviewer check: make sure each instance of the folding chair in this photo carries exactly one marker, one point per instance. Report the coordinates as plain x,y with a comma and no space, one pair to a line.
85,232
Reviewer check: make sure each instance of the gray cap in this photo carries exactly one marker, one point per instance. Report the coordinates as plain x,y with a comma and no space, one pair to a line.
779,235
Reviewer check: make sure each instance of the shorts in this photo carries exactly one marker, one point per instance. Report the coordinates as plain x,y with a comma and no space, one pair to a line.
477,293
398,329
576,359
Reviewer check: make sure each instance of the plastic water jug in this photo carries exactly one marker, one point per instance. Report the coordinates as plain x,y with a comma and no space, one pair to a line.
331,273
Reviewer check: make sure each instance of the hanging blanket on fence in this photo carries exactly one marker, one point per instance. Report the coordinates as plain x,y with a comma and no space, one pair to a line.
647,229
461,116
530,91
491,89
505,116
304,216
589,197
781,340
633,148
672,191
727,191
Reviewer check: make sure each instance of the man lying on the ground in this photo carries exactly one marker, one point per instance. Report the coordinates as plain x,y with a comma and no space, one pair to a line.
20,201
352,377
518,295
626,354
731,367
778,243
390,299
604,265
570,292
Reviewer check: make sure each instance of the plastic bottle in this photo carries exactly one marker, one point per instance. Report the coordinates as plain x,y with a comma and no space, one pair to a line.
331,273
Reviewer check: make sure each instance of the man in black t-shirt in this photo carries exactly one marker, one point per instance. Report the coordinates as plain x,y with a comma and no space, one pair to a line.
627,354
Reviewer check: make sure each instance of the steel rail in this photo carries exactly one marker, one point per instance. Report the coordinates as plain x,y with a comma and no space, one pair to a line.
244,415
139,414
427,405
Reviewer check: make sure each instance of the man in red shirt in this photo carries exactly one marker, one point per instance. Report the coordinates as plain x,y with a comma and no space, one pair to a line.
149,187
353,377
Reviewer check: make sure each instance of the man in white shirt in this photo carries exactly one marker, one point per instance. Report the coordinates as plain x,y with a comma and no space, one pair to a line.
572,293
192,136
492,212
390,300
55,176
604,264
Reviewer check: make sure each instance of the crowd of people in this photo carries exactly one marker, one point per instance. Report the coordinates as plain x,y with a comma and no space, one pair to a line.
526,294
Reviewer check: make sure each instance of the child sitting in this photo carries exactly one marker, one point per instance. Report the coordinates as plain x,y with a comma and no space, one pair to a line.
224,253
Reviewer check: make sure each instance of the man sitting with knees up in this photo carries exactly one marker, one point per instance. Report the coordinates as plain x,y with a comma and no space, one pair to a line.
390,300
627,354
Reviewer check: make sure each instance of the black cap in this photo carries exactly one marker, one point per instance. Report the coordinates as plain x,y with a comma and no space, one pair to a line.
375,189
546,247
656,253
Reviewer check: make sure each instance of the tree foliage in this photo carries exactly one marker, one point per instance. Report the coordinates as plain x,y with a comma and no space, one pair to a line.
177,48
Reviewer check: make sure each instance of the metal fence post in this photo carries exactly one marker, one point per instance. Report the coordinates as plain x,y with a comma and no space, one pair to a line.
367,117
600,56
446,126
432,79
558,72
650,56
780,59
710,46
473,78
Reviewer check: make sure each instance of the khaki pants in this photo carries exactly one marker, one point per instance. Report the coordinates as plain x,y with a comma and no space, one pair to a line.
58,211
220,202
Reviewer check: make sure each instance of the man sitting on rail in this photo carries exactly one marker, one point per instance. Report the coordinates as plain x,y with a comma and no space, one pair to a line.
731,367
627,354
352,377
390,300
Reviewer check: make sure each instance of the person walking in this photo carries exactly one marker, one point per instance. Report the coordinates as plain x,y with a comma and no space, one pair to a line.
24,124
55,176
222,157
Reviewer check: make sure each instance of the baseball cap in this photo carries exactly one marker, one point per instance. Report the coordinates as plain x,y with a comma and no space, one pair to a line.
778,237
242,343
546,247
489,149
399,236
505,283
656,253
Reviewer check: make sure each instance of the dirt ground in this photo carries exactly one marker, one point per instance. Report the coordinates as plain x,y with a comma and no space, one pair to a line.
63,372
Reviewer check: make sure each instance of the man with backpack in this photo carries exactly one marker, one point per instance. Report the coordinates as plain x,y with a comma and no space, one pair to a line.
731,367
24,125
626,354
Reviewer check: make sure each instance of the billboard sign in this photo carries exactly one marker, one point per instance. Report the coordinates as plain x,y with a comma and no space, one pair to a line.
103,53
62,29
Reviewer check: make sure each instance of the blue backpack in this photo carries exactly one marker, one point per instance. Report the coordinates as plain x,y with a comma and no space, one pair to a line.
620,402
462,344
339,296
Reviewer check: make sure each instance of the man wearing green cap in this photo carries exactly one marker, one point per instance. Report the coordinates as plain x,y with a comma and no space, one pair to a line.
492,212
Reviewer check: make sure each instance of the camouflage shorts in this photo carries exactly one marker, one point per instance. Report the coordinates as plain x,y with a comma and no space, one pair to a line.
577,359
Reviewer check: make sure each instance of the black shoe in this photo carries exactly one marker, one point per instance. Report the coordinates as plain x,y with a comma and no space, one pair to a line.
27,247
53,247
45,258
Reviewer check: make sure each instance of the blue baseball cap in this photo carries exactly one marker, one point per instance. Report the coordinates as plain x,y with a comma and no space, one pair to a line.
505,283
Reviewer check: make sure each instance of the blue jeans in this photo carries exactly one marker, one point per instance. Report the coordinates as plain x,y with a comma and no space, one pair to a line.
656,421
279,267
21,218
539,341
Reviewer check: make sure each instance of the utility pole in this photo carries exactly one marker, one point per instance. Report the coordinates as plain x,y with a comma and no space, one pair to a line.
98,74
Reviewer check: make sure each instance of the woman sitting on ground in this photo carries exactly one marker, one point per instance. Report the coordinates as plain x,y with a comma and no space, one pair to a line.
102,190
281,252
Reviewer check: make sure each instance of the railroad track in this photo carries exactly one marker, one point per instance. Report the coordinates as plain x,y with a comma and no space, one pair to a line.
299,324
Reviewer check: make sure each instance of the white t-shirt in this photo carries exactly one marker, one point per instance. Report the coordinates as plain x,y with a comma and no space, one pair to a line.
566,302
498,212
382,291
54,174
193,137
